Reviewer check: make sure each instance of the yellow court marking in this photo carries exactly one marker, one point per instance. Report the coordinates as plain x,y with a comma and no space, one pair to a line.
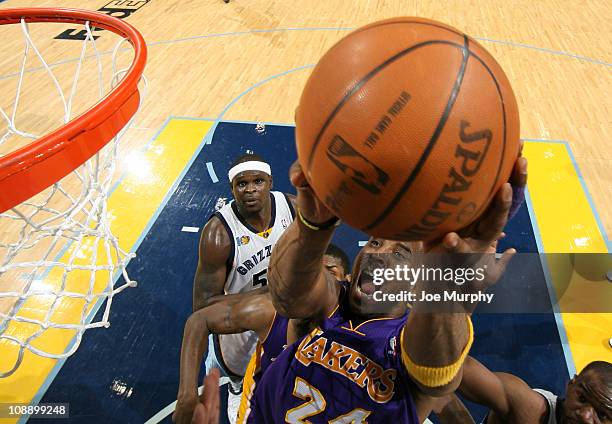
567,225
131,206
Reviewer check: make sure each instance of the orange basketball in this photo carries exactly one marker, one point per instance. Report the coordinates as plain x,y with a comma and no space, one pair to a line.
407,128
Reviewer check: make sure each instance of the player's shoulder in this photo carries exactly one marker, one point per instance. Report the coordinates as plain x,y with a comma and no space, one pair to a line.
215,227
384,330
292,200
524,402
289,198
216,236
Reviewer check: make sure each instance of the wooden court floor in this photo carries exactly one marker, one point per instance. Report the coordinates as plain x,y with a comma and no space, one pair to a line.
204,54
248,61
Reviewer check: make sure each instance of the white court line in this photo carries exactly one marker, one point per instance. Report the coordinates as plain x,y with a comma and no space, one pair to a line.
209,165
190,229
157,418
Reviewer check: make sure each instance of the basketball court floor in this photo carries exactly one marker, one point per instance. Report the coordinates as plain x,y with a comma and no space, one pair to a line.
225,79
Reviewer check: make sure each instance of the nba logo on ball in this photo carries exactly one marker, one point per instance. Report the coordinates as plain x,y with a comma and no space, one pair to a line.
407,128
356,166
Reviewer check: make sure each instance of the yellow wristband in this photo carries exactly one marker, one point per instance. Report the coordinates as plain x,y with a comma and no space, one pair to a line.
437,376
320,227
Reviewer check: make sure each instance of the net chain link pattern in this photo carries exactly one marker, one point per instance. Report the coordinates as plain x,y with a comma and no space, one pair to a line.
78,245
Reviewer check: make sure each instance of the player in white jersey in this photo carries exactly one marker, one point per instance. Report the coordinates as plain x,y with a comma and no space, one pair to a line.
235,249
588,397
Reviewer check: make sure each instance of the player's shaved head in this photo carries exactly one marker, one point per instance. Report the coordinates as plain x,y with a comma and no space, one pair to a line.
589,394
601,368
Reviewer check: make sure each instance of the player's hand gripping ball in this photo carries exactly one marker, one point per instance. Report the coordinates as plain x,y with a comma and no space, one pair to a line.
407,128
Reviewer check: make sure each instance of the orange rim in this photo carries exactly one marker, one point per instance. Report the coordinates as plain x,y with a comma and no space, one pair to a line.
36,166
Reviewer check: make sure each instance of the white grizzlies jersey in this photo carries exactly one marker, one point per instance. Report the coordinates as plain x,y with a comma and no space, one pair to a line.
247,270
551,399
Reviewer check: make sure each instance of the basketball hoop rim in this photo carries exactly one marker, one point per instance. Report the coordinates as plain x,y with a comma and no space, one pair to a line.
42,162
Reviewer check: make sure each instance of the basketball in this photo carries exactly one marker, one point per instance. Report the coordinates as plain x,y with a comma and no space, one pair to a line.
407,128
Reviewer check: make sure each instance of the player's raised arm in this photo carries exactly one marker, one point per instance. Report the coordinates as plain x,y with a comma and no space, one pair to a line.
435,344
210,276
298,283
505,394
231,314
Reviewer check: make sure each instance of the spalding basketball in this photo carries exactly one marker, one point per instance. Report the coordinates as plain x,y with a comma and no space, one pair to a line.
407,128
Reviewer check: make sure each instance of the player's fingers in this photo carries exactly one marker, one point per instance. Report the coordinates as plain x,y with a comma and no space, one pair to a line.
518,180
496,271
211,395
455,244
459,248
211,386
199,415
491,226
214,413
506,258
519,173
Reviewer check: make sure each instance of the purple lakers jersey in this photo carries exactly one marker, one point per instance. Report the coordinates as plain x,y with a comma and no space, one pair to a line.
266,352
269,348
272,346
339,373
276,339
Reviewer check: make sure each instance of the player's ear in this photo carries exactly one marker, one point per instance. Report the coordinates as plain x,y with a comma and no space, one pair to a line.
271,182
231,184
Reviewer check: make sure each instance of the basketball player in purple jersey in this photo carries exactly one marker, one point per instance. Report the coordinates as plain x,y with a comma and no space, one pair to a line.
237,313
355,369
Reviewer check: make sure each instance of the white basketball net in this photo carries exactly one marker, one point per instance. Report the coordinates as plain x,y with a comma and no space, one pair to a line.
59,259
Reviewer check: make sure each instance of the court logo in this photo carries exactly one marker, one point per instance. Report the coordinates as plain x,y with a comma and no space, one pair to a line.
221,201
352,163
242,240
118,8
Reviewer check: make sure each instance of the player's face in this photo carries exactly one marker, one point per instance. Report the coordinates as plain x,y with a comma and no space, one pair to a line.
251,189
334,266
378,253
588,400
